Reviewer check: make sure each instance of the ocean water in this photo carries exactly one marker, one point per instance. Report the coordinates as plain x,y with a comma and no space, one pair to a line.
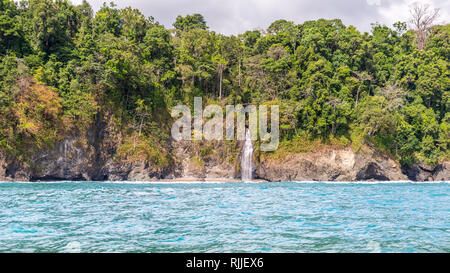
224,217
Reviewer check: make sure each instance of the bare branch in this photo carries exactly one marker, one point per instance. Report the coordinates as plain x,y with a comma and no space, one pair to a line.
422,19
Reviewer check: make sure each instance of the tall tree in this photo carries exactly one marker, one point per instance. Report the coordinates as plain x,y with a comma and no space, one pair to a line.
194,21
422,18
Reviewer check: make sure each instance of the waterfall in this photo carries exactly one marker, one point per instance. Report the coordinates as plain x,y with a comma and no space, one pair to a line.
247,158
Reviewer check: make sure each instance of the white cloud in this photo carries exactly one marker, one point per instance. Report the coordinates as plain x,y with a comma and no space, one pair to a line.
373,2
237,16
400,11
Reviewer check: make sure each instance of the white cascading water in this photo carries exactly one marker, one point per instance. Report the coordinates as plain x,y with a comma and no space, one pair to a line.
247,158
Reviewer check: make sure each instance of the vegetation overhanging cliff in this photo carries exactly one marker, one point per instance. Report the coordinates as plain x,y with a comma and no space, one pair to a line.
88,96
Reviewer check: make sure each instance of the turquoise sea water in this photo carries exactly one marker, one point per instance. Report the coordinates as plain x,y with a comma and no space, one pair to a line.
224,217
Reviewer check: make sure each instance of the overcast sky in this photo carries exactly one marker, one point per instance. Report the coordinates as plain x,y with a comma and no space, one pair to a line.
237,16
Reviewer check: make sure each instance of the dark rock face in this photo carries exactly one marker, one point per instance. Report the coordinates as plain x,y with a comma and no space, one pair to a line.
3,165
134,171
371,172
67,160
91,157
13,170
84,157
442,172
423,172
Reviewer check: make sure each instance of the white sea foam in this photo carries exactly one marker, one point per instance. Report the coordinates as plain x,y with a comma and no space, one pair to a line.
72,247
367,182
161,182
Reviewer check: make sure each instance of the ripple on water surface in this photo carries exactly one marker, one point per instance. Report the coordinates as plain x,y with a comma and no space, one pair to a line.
220,217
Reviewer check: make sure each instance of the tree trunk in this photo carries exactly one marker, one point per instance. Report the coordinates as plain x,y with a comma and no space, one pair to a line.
357,96
239,72
140,126
220,80
333,126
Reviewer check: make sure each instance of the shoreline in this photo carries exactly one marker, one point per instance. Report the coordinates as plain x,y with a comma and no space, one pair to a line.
224,180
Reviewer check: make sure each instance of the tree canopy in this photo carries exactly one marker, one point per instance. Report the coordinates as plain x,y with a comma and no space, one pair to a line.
61,65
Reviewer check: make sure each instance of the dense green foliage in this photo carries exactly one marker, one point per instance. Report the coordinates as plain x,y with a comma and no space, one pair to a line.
61,64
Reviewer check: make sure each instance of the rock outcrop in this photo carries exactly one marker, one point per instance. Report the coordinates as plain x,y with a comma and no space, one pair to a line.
91,157
331,165
442,172
207,160
67,160
3,166
424,172
132,171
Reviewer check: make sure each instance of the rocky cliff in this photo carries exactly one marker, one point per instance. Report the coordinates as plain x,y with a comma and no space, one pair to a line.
332,165
92,156
88,156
